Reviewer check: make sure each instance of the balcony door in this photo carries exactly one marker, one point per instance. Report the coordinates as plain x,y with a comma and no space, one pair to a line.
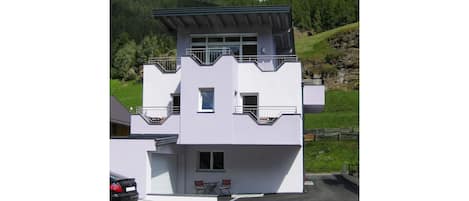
250,105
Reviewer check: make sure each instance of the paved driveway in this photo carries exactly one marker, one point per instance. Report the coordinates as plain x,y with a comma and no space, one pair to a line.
325,188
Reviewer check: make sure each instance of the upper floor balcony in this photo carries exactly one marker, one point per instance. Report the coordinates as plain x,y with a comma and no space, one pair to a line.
209,56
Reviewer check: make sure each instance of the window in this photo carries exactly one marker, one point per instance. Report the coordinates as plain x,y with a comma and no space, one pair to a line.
239,43
176,103
211,161
206,96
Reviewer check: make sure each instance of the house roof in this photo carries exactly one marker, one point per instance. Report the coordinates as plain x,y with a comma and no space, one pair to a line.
173,18
277,17
119,114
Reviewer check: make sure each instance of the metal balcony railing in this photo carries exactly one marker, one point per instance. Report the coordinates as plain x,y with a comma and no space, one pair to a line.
157,115
167,64
207,56
265,114
275,60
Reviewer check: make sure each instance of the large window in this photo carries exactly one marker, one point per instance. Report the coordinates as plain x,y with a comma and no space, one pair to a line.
239,44
206,100
211,161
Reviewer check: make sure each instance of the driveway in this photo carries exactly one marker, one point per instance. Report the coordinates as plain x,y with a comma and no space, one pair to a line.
326,187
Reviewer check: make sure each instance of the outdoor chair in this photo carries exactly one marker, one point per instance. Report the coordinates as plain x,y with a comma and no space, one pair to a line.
225,187
199,186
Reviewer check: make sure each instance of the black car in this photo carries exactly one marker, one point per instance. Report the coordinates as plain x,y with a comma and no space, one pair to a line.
123,188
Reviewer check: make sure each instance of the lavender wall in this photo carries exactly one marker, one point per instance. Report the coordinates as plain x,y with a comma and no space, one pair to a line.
207,128
252,169
169,126
285,131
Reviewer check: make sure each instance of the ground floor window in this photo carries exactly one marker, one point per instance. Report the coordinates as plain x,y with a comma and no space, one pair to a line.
211,161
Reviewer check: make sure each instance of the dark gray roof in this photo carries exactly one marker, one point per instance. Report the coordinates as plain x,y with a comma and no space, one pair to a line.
220,10
119,114
279,17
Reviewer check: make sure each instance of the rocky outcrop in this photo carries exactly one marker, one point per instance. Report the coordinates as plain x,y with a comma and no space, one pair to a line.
340,68
347,61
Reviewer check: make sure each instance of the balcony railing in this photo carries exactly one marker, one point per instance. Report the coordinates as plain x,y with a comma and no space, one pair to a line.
207,56
265,114
167,64
157,115
275,60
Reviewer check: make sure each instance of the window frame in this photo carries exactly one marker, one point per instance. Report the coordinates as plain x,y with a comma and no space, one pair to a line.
206,44
198,169
201,99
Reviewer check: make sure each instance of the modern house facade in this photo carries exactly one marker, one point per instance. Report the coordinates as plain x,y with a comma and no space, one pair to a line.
229,105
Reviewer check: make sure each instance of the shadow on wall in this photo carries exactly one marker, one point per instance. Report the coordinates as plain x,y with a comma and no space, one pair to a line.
265,169
252,169
163,173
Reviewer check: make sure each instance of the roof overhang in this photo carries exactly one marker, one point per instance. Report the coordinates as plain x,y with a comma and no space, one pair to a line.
277,17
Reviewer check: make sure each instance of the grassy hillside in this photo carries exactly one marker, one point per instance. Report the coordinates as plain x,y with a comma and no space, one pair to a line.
341,111
128,93
316,46
329,155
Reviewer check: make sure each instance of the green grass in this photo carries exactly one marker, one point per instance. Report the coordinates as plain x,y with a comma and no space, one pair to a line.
128,93
329,155
316,46
341,111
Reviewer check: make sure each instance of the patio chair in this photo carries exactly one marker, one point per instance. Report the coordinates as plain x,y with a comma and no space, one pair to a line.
225,187
199,186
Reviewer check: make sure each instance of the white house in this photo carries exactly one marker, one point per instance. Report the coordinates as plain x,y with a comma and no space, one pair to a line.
230,105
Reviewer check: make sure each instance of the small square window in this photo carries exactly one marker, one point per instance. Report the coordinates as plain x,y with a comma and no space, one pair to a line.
206,100
211,161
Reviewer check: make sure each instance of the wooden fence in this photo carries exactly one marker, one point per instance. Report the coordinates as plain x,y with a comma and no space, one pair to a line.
331,134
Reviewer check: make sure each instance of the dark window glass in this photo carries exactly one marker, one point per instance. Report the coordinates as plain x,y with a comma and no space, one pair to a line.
249,49
198,40
176,103
215,39
253,38
204,160
207,99
234,49
218,161
232,39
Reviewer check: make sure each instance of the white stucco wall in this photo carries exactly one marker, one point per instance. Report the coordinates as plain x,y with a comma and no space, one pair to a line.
169,126
285,131
207,128
276,88
252,169
314,95
158,86
131,158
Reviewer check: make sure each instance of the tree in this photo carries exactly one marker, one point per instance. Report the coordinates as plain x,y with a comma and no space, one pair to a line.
124,62
317,21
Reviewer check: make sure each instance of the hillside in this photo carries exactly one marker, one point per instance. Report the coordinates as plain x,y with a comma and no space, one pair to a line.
333,55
